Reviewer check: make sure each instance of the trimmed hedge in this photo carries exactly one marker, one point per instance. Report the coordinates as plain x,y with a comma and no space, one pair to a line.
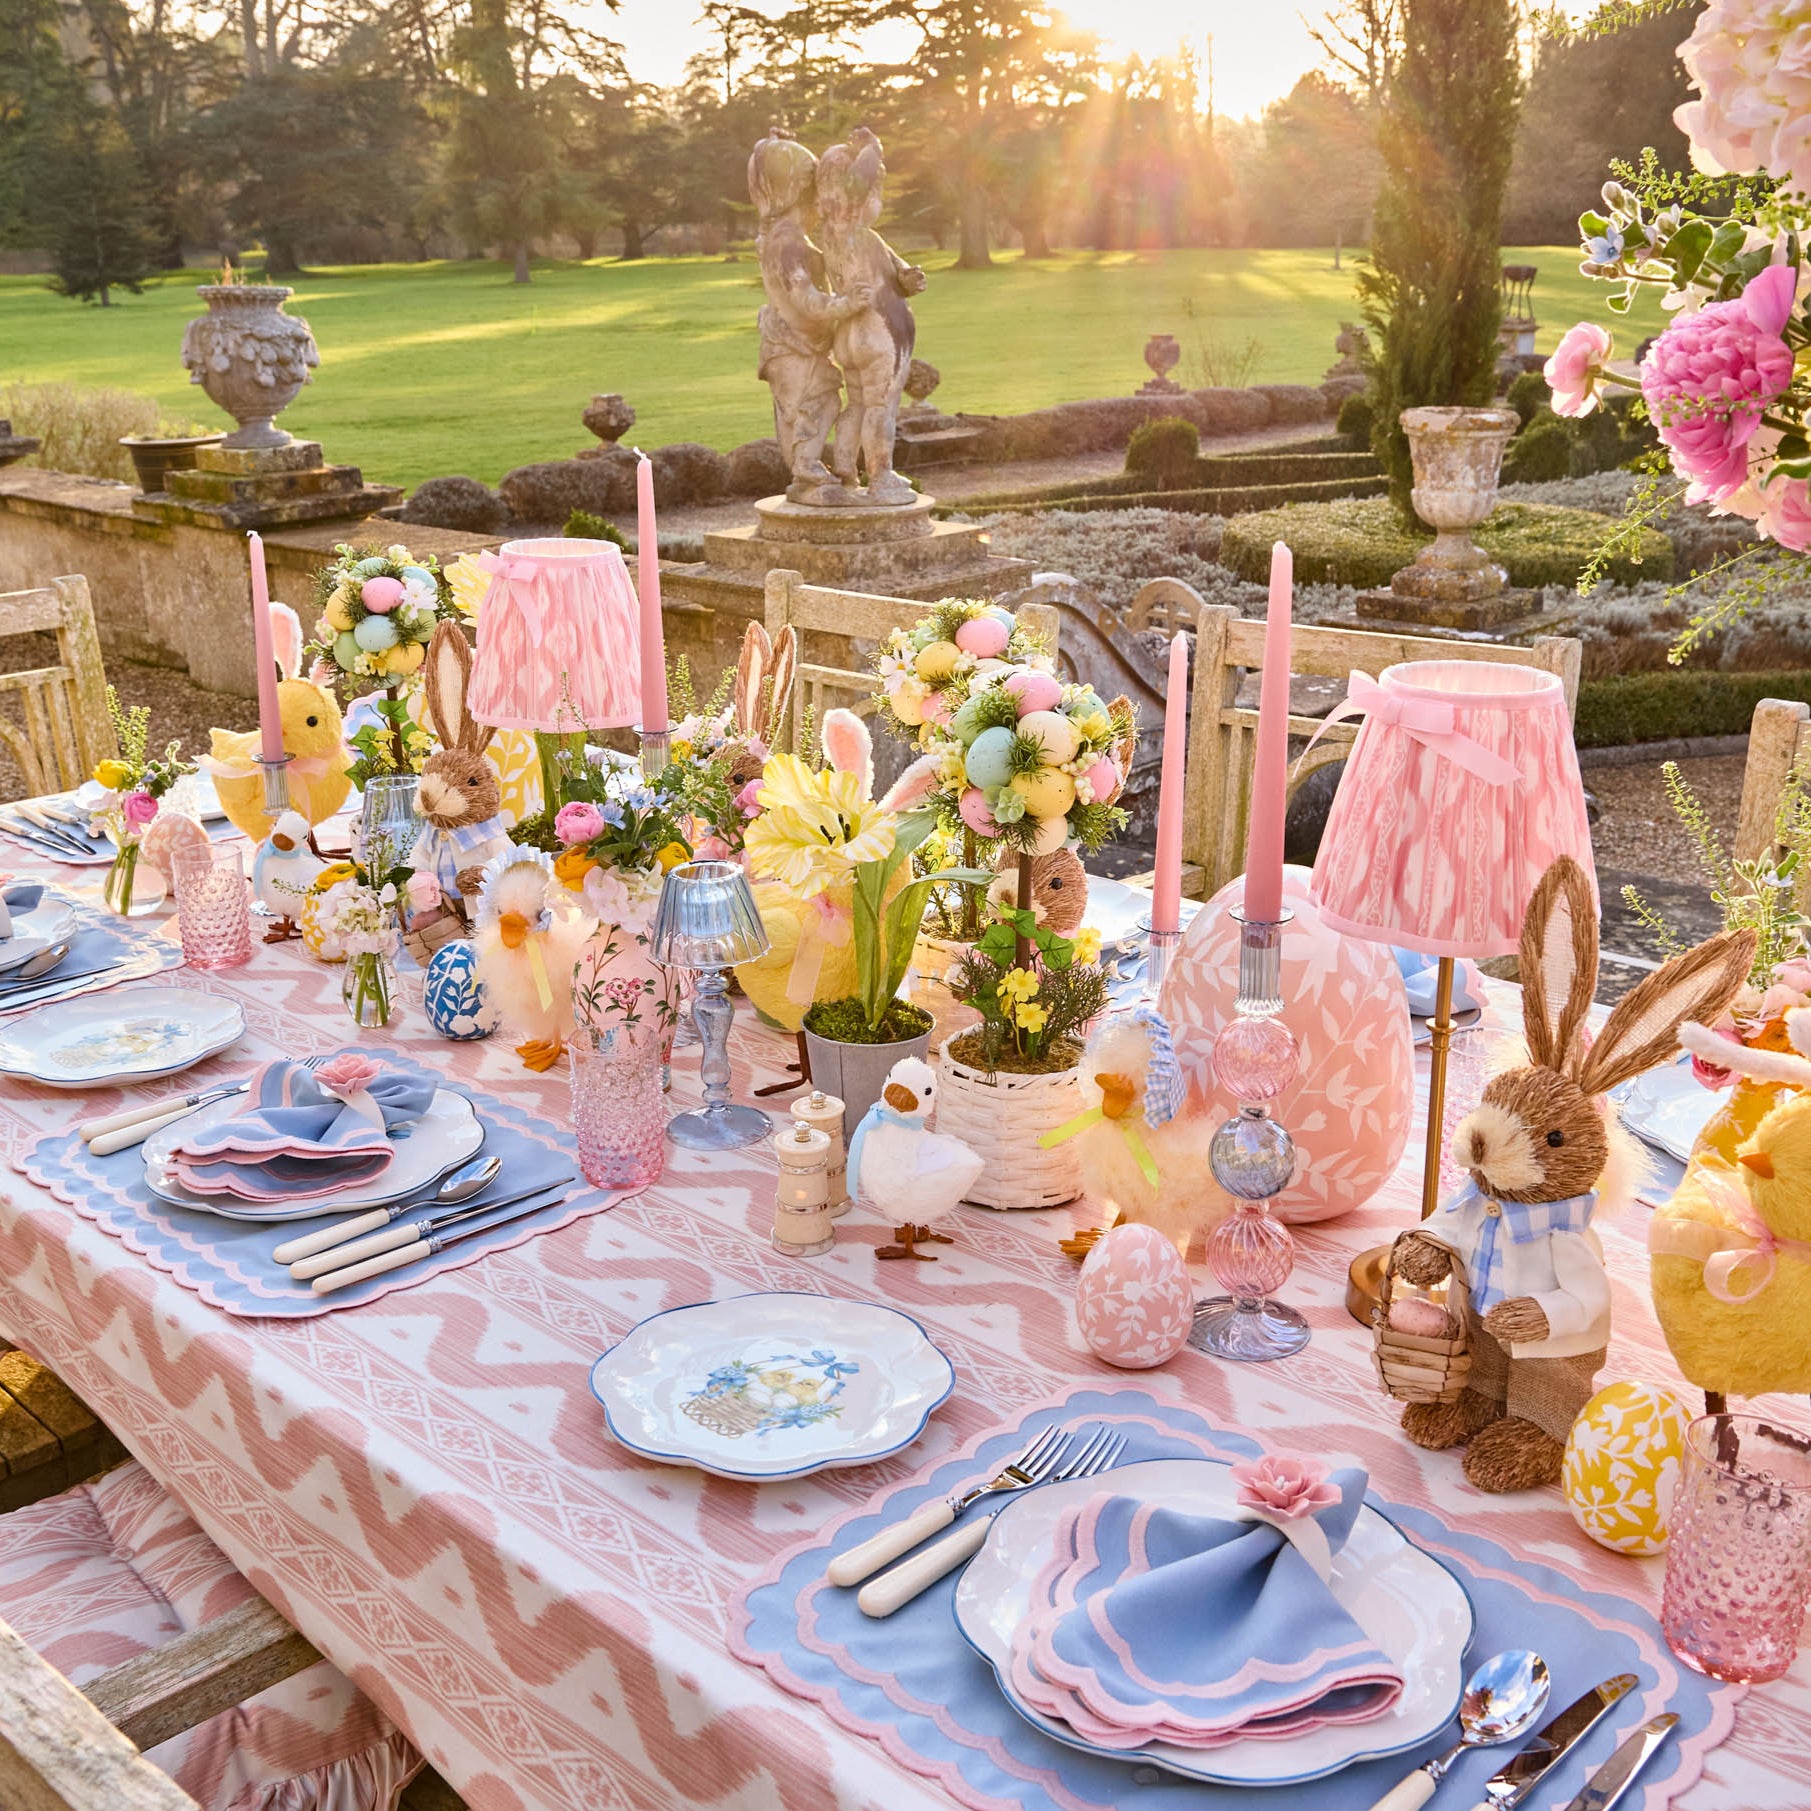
1236,500
1650,707
1362,543
1284,466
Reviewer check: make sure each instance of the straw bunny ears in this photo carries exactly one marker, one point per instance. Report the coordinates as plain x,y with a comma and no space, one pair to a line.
447,678
764,675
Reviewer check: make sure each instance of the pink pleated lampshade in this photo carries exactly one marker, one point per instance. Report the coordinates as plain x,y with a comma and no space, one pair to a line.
559,638
1461,789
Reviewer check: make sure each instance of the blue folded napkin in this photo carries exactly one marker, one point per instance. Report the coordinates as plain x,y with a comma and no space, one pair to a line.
1421,980
1153,1625
304,1134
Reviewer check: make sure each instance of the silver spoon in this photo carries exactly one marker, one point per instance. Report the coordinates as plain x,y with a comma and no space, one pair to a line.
457,1185
40,964
1504,1699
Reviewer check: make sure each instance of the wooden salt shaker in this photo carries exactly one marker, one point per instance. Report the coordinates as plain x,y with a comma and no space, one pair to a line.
802,1224
824,1113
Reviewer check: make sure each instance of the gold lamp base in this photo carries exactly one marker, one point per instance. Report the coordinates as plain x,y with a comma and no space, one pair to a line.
1364,1283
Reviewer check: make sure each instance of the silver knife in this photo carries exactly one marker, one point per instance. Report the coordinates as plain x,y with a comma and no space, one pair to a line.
1517,1777
426,1247
47,841
1617,1774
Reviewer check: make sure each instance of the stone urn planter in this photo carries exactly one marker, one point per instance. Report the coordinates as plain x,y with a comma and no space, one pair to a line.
1162,354
1458,455
153,457
250,357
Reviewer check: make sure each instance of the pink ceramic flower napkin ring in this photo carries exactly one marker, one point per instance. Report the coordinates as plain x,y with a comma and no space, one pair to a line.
1287,1492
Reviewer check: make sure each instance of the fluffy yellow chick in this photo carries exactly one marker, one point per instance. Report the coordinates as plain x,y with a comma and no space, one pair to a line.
527,938
787,917
312,736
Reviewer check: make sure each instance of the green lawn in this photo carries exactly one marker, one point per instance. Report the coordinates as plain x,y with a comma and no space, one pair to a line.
436,368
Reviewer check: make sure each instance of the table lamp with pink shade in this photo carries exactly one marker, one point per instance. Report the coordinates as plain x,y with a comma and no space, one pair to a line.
1461,789
559,645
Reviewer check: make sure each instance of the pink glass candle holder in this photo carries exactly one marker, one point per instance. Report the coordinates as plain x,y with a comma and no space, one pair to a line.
213,906
1738,1566
617,1110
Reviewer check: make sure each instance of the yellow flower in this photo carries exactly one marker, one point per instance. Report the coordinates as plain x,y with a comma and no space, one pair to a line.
1030,1016
114,775
680,751
469,581
571,866
1018,984
814,828
1087,944
1095,727
671,855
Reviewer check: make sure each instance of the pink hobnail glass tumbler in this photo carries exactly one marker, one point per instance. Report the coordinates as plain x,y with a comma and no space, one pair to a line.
1738,1566
213,906
617,1110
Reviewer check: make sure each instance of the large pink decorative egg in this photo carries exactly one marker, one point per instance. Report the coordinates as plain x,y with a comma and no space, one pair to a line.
618,987
381,594
167,836
1134,1304
1034,691
985,637
1349,1106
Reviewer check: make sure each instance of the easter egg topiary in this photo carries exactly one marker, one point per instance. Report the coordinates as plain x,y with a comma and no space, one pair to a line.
1622,1464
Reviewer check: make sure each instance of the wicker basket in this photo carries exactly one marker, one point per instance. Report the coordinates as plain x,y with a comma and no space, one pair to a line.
1415,1367
1001,1117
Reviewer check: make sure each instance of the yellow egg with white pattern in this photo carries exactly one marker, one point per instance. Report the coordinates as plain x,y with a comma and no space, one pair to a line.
314,938
1622,1465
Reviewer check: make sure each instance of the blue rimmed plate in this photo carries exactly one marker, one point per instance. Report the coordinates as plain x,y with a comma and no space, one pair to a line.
1409,1604
118,1037
772,1385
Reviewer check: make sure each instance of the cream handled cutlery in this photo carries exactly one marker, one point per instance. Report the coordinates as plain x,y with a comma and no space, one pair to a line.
461,1185
894,1590
1503,1699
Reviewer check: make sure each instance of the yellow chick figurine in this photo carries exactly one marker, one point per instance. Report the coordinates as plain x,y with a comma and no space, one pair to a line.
1731,1251
319,781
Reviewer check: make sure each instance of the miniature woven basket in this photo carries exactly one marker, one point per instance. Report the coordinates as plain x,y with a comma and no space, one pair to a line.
1001,1117
1419,1367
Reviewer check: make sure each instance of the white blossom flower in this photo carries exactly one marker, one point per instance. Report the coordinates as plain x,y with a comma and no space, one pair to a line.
1751,63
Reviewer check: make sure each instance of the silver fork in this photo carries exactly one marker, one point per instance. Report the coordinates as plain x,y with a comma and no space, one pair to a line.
1027,1467
893,1590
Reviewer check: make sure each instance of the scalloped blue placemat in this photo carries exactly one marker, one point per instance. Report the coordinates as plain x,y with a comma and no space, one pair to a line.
130,949
911,1683
228,1263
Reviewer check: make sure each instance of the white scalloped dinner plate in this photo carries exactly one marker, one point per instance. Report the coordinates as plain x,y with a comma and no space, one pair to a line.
1403,1599
118,1037
49,921
772,1385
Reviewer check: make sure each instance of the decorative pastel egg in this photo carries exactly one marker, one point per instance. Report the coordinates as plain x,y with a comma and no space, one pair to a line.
338,614
1134,1303
1002,616
937,661
988,762
454,996
1048,793
370,567
1052,834
420,575
1034,691
1084,703
966,725
314,939
974,812
407,656
1622,1464
345,648
375,633
1102,779
1054,734
381,594
1349,1106
168,835
985,637
908,705
618,987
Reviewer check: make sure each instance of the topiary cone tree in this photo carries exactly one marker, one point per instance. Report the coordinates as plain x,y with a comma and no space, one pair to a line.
1430,294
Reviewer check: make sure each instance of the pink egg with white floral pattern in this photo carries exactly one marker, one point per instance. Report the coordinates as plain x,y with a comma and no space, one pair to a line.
1134,1303
985,637
167,836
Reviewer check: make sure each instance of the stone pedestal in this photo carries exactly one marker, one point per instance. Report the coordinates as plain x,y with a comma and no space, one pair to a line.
1431,611
263,487
14,446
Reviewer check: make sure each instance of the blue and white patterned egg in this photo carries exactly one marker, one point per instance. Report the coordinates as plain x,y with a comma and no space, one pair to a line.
454,995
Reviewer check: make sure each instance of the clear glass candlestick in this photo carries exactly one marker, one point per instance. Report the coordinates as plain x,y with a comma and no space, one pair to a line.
1252,1157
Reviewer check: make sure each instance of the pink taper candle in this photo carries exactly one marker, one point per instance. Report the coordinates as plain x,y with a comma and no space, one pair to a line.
1166,889
653,639
1270,768
270,720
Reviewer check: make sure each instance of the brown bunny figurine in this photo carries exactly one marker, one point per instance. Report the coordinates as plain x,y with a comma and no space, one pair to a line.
1537,1303
461,799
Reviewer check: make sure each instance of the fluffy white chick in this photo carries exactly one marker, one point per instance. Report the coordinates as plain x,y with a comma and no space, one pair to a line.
527,938
913,1175
1129,1073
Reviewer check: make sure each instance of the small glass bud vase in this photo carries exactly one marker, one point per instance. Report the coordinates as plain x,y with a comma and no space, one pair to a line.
1252,1158
617,1112
369,988
130,891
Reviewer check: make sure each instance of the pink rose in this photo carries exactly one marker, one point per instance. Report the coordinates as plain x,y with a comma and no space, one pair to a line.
578,822
1285,1487
1710,376
1573,370
748,800
1786,517
1709,1075
348,1073
138,809
1795,974
423,890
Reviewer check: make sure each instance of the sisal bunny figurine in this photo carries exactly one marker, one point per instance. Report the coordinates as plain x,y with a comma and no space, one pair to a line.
1537,1303
460,799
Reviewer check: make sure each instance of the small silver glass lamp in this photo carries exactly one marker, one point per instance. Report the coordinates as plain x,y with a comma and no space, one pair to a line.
707,920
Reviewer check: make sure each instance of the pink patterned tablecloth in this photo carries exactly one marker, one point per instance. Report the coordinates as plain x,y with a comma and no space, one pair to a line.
424,1484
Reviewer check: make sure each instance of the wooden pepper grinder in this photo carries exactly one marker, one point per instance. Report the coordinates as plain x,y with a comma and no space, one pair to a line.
802,1224
824,1113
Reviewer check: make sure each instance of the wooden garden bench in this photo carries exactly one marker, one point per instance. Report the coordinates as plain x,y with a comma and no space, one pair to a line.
53,720
1779,745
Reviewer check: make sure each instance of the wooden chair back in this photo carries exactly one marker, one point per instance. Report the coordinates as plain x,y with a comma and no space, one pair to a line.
1223,734
53,720
1779,745
820,610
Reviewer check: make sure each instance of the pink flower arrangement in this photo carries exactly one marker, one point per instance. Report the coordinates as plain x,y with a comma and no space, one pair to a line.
1573,370
1284,1487
1750,61
1710,376
138,809
578,822
348,1073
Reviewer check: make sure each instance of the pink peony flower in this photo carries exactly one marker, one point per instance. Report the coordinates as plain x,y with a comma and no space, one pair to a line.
1709,376
1284,1486
348,1073
1787,516
1573,370
711,848
1795,974
138,809
423,890
748,800
578,822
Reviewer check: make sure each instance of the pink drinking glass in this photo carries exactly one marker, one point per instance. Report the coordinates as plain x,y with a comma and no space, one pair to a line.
213,907
617,1109
1738,1565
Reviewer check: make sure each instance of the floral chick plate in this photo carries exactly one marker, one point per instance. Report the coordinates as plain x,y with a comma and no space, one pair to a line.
771,1386
122,1037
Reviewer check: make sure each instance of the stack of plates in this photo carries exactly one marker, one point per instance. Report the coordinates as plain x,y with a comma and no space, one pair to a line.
51,920
121,1037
